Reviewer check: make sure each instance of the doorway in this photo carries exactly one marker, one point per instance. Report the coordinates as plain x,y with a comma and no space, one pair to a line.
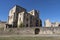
37,30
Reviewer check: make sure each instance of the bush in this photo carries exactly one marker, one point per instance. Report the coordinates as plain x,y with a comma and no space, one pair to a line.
2,28
21,25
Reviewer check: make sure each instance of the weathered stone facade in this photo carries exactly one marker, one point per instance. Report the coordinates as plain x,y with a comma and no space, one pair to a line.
18,15
32,23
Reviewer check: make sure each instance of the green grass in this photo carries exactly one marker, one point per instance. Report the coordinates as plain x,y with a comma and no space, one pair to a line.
29,38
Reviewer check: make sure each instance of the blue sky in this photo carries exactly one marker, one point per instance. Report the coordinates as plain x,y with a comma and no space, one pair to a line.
49,9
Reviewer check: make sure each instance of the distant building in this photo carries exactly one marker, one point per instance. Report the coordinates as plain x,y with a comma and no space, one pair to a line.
2,24
18,15
55,24
49,24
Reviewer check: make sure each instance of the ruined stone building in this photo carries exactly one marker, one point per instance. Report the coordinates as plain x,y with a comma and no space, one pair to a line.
50,24
18,15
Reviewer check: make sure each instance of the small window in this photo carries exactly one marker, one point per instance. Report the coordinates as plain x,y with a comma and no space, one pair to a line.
27,19
37,23
26,25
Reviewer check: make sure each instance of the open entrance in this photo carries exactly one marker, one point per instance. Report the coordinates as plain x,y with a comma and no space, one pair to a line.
37,30
8,26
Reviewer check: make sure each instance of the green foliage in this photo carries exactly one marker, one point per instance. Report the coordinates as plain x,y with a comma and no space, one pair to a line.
2,28
21,25
29,38
10,30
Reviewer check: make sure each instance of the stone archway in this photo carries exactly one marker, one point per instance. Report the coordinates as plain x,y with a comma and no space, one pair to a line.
37,30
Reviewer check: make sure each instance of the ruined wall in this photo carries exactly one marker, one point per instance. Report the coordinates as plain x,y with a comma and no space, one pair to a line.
2,24
30,31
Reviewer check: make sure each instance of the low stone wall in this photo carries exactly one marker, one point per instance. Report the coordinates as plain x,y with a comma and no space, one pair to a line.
2,24
30,31
49,30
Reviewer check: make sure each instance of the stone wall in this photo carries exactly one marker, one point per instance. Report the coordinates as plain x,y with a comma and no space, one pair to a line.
2,24
30,31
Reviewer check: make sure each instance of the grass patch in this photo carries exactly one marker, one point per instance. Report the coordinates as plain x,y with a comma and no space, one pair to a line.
29,38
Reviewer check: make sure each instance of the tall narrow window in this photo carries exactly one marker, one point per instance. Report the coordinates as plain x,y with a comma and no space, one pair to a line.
27,19
37,23
26,25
